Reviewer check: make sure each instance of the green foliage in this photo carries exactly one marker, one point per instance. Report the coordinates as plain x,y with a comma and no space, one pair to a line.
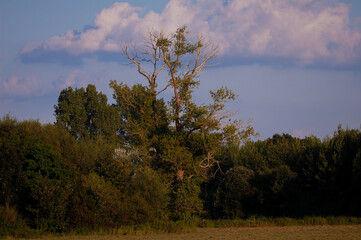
148,197
175,159
86,114
185,202
54,182
12,224
47,191
295,177
107,199
141,198
139,124
235,197
12,178
40,161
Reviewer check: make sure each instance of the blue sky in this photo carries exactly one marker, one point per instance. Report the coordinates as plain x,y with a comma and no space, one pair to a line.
295,64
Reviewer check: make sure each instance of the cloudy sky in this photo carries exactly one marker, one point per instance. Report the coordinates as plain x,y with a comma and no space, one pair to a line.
295,64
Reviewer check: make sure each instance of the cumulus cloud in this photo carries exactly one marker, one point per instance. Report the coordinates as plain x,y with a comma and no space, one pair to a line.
302,133
74,78
304,32
30,86
18,86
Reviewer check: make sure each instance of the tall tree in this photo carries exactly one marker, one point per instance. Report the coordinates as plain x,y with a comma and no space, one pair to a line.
181,56
86,113
197,130
134,105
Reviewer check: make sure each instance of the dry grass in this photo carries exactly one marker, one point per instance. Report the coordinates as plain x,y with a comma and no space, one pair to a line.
290,232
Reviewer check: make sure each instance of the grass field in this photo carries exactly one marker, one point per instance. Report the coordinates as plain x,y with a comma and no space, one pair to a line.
289,232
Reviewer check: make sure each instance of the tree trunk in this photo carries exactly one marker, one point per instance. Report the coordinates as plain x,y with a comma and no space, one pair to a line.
180,175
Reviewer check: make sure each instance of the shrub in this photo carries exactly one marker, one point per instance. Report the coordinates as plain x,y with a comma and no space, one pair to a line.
186,203
235,196
149,196
47,193
11,223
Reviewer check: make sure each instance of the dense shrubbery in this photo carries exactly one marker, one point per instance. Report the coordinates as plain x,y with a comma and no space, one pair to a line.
287,176
142,162
51,181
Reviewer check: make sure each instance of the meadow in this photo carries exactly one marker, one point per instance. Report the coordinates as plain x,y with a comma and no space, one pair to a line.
275,232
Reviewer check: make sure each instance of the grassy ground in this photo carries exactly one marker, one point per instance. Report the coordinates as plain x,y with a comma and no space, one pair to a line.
288,232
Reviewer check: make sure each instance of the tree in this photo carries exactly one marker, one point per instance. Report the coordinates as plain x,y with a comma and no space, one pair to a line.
86,114
183,58
186,139
135,110
47,192
197,131
235,196
12,178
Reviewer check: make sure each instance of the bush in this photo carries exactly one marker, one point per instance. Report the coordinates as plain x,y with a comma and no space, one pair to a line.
186,203
235,197
47,194
11,224
149,196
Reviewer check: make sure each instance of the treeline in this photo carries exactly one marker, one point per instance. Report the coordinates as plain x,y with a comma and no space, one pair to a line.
288,176
54,181
146,160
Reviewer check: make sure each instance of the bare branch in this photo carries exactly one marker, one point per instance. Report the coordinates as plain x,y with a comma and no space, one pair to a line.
159,92
210,162
133,58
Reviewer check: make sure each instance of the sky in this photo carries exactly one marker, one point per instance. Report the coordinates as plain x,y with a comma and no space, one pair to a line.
294,64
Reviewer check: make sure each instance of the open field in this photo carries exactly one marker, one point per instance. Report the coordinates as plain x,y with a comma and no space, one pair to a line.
289,232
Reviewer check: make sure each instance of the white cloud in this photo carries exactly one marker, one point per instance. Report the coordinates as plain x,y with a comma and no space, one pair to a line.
306,32
18,86
77,78
302,133
30,86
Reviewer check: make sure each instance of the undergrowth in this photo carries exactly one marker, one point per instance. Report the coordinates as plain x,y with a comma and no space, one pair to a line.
17,228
